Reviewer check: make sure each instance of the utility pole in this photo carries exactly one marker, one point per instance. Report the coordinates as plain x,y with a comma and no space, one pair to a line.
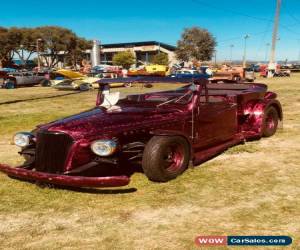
38,52
215,57
272,65
231,47
245,50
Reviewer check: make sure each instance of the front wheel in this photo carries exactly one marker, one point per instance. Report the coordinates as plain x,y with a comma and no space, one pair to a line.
84,87
237,79
10,85
270,122
165,157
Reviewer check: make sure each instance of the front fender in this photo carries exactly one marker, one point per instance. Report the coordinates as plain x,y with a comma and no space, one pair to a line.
162,132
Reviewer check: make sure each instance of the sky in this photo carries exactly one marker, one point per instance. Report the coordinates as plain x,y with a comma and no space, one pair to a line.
164,21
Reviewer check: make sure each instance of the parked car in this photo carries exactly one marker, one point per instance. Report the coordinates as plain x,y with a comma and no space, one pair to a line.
233,74
276,73
149,70
21,78
8,70
249,75
164,131
228,74
189,73
255,67
71,80
3,77
106,71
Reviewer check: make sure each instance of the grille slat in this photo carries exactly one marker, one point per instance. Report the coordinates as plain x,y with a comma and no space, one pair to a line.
52,149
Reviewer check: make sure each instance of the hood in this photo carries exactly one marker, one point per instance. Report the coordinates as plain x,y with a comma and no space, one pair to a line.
110,122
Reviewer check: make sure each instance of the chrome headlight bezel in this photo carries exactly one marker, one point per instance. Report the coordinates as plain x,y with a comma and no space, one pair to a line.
104,147
23,139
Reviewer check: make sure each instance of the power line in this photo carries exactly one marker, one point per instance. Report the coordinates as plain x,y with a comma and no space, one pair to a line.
205,4
262,41
290,14
208,5
241,36
290,30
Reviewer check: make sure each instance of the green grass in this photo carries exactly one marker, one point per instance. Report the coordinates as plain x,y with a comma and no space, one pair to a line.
251,189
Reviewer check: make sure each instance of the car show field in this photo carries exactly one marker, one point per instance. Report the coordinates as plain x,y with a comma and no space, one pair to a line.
250,189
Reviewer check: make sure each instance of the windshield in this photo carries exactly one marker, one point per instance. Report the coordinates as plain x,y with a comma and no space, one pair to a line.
158,95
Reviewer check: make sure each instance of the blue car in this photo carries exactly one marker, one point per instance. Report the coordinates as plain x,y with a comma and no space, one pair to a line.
189,74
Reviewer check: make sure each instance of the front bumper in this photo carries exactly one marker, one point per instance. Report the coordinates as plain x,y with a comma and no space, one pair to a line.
64,180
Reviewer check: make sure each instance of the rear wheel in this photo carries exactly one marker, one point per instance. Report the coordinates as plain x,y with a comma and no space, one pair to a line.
45,83
165,157
270,122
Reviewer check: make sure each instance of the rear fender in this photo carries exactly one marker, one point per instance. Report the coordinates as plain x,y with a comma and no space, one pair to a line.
254,111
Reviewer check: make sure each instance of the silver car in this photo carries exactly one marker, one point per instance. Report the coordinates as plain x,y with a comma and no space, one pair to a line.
18,79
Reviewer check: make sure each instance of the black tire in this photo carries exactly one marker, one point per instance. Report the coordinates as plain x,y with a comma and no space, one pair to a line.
165,157
84,87
270,122
148,85
45,83
237,79
11,84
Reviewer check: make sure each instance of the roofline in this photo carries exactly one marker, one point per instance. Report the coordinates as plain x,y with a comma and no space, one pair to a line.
144,43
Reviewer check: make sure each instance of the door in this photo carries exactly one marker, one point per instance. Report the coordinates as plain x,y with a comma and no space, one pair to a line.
29,78
215,121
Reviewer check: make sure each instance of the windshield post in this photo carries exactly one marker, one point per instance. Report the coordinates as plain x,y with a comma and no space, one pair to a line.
103,89
197,88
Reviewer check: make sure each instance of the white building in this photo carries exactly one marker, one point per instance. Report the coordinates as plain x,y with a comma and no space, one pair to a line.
143,51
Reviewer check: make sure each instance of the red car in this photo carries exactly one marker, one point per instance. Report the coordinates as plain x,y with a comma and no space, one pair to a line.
163,131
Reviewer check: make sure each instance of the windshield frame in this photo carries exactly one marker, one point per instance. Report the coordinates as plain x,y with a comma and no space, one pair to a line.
171,96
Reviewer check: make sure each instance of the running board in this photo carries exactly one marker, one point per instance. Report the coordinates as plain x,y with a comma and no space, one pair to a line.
207,154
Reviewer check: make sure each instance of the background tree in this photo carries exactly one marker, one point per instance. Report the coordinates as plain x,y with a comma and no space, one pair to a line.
60,42
76,51
6,49
21,40
196,43
55,43
124,59
161,58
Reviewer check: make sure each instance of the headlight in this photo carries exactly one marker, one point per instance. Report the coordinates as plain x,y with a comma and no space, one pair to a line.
104,147
23,139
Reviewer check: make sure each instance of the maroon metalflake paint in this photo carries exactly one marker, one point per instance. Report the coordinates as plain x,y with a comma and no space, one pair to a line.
217,116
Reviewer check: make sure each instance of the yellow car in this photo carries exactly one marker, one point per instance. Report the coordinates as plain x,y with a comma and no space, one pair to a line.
72,80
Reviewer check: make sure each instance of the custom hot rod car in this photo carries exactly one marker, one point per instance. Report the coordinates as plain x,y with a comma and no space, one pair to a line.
164,131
